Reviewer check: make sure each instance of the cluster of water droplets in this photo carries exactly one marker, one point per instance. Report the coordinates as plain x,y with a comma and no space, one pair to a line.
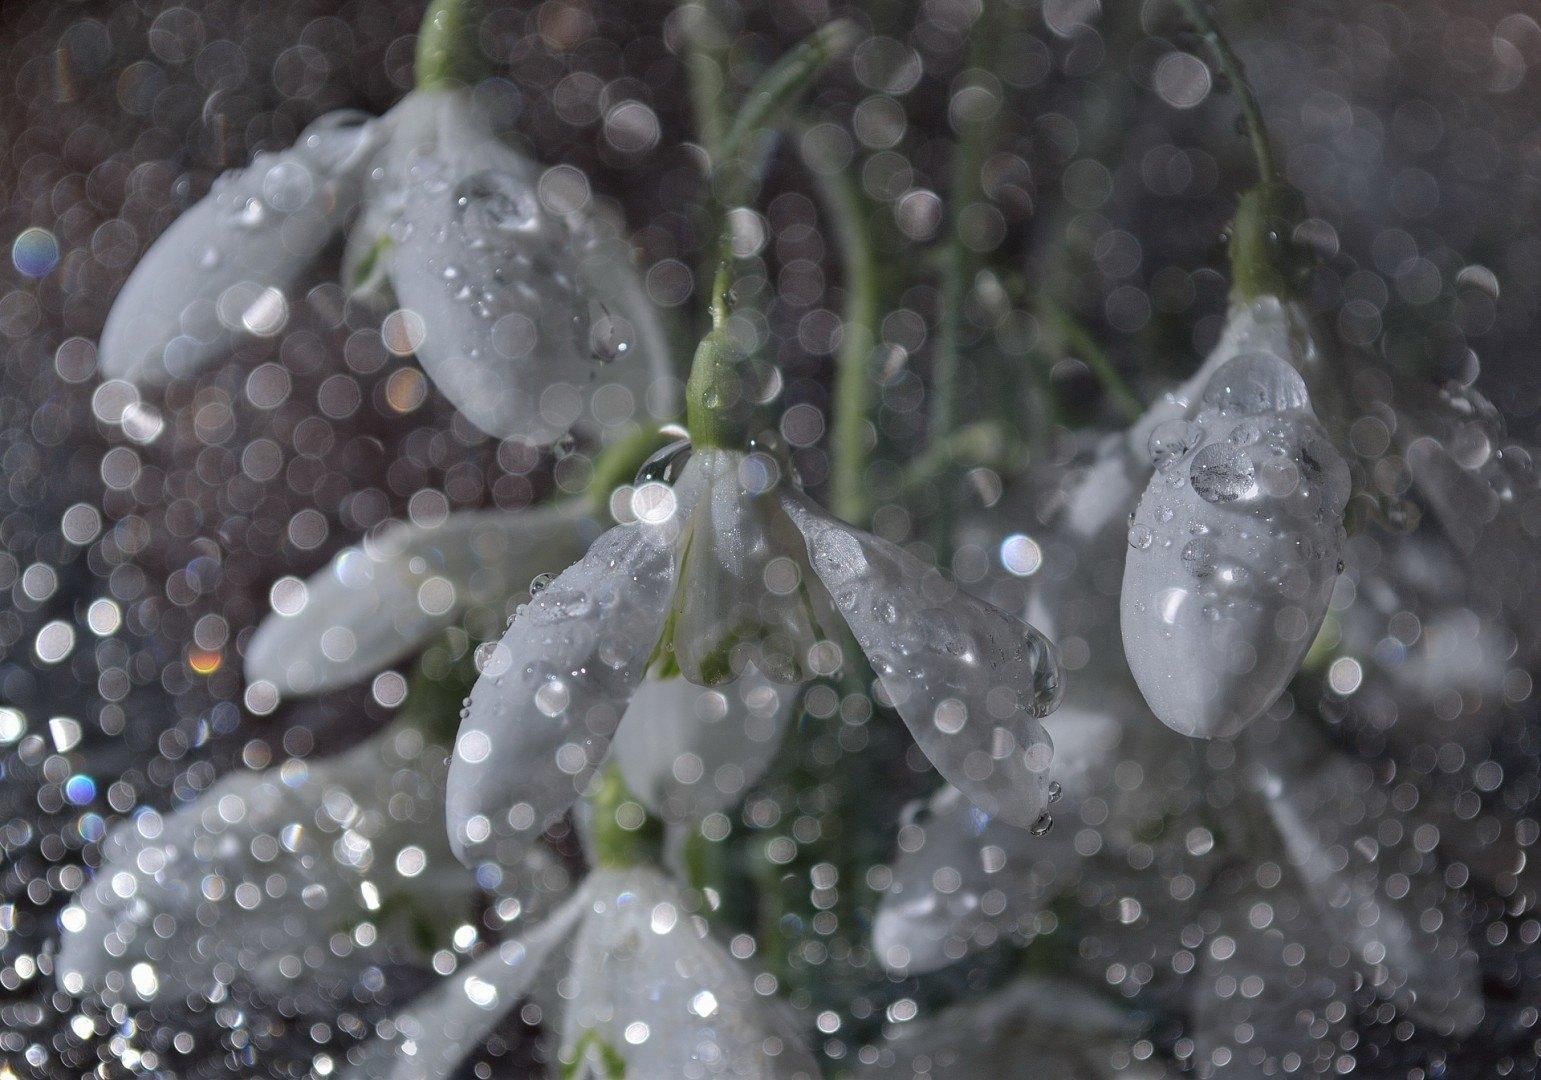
1233,548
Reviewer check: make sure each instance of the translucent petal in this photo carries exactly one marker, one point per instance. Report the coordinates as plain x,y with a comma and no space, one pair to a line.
379,603
223,267
1375,895
687,751
445,1024
1233,552
188,893
652,986
743,596
970,681
527,310
554,688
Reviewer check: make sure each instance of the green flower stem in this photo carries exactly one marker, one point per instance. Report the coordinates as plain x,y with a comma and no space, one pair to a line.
984,443
719,409
959,264
1230,64
706,65
1265,261
449,51
851,432
1080,341
623,832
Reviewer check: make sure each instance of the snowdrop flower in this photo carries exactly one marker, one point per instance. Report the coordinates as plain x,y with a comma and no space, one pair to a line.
1030,1027
1234,549
731,573
517,296
297,878
1371,887
645,992
383,600
961,880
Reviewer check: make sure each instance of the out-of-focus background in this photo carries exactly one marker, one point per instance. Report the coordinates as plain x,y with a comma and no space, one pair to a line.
139,538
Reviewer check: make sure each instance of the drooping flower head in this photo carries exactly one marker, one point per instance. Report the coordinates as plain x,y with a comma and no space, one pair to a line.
729,572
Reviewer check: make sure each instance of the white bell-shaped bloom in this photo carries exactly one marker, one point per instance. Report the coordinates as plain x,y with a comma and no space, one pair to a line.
270,876
1233,549
1034,1027
962,880
382,601
518,295
531,318
225,267
648,993
727,571
1373,889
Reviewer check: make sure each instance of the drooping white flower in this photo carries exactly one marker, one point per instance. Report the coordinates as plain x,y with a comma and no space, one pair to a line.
646,990
224,268
732,571
1372,887
297,878
383,600
962,880
1233,549
517,295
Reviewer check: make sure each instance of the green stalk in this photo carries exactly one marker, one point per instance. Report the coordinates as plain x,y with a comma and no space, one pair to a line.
855,381
1080,341
1230,64
957,267
706,70
718,409
449,51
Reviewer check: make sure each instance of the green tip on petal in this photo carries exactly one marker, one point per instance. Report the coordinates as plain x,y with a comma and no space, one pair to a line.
1265,259
624,833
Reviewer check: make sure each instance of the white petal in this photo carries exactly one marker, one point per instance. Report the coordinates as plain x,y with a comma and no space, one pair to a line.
436,1032
1336,824
554,688
187,893
649,981
970,681
1234,550
526,312
687,751
379,603
224,266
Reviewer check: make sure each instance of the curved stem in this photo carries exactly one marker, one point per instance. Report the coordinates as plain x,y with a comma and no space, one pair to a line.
850,422
706,72
449,51
1230,64
1079,341
958,262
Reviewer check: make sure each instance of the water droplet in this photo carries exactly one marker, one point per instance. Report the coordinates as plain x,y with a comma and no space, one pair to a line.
1222,474
1198,557
1044,823
1171,440
1256,383
665,464
539,582
1056,789
609,338
1140,537
493,206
